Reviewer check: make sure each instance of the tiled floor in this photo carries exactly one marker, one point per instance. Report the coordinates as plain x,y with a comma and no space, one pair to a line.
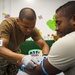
23,73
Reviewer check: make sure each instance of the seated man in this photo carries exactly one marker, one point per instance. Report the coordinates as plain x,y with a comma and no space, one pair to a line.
61,57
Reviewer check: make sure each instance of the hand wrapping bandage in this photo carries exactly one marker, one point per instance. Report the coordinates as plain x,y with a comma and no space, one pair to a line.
32,61
27,62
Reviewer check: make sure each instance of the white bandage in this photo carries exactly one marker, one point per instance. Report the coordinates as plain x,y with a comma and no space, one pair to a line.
37,59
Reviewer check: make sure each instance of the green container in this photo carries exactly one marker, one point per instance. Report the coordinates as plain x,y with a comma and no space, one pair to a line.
28,45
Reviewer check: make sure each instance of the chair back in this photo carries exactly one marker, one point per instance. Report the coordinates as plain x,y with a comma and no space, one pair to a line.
34,51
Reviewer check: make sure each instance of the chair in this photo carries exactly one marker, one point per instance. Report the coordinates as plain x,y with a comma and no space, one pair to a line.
34,51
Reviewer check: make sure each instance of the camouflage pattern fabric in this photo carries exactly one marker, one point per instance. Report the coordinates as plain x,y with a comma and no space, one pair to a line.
10,69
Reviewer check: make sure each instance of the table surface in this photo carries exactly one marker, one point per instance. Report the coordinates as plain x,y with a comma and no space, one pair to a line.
23,73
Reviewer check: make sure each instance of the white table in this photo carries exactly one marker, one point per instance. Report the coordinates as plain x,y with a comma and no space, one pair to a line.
23,73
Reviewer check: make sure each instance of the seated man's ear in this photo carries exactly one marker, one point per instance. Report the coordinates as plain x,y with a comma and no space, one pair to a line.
73,20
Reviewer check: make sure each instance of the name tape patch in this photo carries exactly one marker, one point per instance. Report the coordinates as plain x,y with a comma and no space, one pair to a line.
1,42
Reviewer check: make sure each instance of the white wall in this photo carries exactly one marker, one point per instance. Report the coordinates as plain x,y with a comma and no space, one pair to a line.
46,8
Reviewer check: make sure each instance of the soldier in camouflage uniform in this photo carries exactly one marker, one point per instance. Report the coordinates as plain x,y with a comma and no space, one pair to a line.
14,32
